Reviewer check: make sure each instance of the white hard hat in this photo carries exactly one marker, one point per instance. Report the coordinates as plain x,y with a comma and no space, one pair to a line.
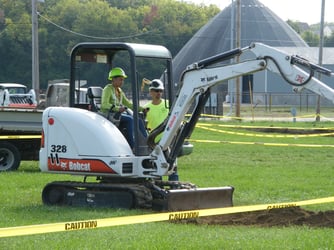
156,84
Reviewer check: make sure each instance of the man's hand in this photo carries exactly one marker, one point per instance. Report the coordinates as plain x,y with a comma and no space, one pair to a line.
145,110
121,109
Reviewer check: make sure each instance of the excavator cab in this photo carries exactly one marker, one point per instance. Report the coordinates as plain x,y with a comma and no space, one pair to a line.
140,62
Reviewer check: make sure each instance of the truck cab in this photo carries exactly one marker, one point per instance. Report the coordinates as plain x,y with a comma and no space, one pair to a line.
17,95
57,93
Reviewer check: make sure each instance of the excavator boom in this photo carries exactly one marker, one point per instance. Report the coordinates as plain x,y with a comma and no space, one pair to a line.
200,77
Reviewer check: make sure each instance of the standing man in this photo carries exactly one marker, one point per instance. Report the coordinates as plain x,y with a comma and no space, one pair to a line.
157,113
157,107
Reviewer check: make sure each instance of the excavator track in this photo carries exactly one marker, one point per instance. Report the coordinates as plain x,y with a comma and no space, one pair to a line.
123,195
157,195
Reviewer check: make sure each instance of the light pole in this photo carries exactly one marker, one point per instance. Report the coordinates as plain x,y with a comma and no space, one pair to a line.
232,46
35,54
238,44
321,45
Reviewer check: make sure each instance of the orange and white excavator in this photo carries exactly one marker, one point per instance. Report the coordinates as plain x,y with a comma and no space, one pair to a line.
77,140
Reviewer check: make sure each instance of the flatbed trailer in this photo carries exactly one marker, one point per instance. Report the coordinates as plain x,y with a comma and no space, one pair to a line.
20,136
21,126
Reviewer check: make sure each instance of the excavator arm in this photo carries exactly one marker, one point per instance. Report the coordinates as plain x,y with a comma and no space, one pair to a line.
200,77
295,70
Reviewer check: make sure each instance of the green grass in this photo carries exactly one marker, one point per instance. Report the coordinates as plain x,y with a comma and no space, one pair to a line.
260,174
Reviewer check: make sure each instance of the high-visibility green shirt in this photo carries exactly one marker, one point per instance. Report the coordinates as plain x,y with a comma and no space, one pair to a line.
156,115
111,99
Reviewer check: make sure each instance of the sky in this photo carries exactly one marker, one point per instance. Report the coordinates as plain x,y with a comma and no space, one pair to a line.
308,11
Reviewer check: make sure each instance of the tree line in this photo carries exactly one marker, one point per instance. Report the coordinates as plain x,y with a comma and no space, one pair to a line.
311,33
64,23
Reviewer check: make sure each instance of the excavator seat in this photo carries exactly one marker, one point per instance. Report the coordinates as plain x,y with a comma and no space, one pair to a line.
94,95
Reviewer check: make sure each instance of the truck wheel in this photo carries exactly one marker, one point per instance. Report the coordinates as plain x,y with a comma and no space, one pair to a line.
10,157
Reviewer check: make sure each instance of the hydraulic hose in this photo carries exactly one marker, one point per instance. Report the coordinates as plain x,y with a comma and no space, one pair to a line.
311,74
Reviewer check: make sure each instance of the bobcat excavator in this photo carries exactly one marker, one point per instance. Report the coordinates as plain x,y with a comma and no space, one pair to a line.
77,140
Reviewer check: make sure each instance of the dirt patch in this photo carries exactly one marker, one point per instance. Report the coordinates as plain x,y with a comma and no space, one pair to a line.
295,131
274,217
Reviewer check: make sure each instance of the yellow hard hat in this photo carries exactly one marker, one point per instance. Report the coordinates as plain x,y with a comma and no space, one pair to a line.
115,72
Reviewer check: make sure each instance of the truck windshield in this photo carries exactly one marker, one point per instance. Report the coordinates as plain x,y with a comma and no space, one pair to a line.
16,90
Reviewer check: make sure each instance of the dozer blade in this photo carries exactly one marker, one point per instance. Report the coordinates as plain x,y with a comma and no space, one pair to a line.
199,198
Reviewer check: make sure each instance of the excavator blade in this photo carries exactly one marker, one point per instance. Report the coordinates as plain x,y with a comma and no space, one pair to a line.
197,198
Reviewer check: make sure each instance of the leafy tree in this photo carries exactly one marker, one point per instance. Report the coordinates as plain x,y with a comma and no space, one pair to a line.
294,25
310,38
125,4
15,42
329,41
172,23
64,23
311,34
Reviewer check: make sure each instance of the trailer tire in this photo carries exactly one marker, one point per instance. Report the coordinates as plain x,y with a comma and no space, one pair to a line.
10,157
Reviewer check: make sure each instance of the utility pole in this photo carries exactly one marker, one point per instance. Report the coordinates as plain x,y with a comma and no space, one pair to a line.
231,82
321,45
238,44
35,54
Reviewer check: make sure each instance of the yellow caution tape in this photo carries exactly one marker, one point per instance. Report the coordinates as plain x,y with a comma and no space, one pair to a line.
266,143
248,118
155,217
264,135
20,137
261,127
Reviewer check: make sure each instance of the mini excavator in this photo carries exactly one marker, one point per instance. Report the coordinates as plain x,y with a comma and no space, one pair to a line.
78,140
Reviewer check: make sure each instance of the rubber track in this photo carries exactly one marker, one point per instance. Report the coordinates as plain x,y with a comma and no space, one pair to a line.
143,197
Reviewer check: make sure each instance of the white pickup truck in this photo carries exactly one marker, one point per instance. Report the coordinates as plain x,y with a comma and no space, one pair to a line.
21,120
16,95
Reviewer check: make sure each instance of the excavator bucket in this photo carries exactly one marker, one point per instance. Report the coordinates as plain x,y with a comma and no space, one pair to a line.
196,198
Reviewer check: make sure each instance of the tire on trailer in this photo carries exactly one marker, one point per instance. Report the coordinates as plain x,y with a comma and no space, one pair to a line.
10,157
